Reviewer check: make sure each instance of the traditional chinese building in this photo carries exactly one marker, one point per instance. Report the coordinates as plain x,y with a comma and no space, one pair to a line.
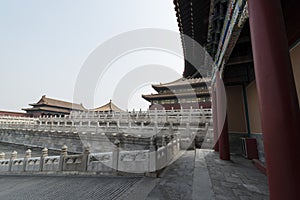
255,47
49,106
182,93
14,114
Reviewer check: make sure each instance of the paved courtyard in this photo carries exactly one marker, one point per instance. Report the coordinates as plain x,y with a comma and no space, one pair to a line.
64,188
195,175
201,175
236,179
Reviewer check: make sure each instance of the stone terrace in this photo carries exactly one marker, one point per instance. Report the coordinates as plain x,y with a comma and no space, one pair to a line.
196,175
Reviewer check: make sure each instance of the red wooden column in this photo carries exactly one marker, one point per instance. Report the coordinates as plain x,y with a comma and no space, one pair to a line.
224,142
215,120
222,119
278,101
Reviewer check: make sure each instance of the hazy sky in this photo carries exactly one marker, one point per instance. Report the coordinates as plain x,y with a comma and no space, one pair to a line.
43,45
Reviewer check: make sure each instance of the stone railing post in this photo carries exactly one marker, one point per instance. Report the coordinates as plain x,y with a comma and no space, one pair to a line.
44,155
44,152
156,115
107,125
142,125
13,156
85,159
188,131
2,156
64,152
163,140
27,155
152,154
155,128
115,156
164,144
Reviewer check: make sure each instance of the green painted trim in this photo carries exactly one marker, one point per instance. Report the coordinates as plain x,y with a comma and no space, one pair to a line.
236,133
292,46
246,110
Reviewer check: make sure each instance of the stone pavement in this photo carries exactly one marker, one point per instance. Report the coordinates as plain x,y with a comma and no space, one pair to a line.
196,175
235,179
201,175
64,188
177,180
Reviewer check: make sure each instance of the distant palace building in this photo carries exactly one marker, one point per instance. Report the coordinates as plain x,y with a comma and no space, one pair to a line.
49,106
109,107
184,92
12,113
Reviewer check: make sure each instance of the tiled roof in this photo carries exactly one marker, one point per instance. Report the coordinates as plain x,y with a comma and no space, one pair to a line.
182,82
48,108
108,107
58,103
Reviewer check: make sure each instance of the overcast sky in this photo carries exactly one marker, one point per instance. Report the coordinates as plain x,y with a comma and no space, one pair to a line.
43,45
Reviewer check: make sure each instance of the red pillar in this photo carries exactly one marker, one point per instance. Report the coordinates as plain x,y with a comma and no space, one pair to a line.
222,120
215,120
278,101
224,142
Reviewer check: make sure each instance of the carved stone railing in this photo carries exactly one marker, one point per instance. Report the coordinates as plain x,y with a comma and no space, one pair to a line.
141,121
133,129
138,161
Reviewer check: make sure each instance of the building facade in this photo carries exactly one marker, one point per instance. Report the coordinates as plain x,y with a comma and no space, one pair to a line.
182,93
255,48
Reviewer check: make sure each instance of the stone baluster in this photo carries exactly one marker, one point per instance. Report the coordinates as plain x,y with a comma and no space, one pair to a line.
2,156
63,154
44,155
44,152
28,153
115,156
152,155
86,153
107,125
27,156
155,128
163,140
190,115
164,144
142,125
64,150
14,155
